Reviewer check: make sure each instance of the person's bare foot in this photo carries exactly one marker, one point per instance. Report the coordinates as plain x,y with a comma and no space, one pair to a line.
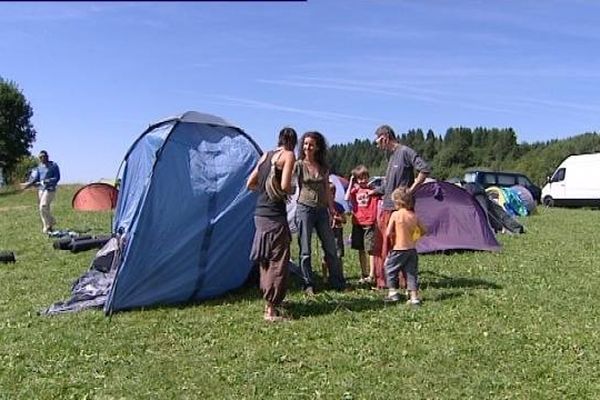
275,318
273,315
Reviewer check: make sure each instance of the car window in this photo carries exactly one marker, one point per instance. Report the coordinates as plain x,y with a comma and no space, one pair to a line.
489,179
559,175
469,177
523,181
506,180
376,181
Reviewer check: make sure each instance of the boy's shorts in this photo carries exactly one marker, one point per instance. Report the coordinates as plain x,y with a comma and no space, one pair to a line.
363,238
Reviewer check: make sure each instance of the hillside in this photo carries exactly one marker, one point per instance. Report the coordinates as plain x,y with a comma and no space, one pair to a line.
463,148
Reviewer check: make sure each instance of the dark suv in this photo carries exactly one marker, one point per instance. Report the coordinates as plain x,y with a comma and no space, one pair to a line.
503,179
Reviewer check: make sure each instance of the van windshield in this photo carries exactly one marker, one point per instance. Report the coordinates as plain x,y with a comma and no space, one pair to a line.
558,176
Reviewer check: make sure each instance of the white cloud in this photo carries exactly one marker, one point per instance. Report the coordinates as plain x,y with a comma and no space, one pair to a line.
251,103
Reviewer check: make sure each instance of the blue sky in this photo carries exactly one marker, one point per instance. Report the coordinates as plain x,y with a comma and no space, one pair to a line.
97,74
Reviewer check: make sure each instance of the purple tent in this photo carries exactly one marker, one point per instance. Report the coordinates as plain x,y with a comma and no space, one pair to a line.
453,218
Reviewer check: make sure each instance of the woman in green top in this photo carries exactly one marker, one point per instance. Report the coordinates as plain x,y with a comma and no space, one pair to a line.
313,210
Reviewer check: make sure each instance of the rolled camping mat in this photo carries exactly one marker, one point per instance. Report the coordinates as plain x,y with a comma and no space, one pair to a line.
82,237
62,244
66,243
87,244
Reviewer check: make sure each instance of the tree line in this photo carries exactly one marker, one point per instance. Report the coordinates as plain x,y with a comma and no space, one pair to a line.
462,149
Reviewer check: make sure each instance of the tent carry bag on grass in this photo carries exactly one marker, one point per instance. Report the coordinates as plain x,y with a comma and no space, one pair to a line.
184,218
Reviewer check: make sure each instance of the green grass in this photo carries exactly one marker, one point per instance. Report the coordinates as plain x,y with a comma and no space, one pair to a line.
519,324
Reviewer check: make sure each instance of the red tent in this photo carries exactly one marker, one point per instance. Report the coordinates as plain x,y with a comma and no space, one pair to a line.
95,197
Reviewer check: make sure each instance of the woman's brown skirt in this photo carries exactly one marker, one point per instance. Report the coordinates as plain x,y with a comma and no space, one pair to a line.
271,251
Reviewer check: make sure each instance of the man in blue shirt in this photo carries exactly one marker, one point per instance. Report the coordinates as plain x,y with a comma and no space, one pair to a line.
45,176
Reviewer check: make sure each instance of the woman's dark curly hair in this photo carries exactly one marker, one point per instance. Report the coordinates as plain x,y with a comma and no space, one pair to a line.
320,150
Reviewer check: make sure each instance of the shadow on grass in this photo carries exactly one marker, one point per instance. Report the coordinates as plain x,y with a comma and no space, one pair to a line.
324,304
329,301
431,279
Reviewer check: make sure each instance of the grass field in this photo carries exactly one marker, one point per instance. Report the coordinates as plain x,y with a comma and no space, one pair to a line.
520,324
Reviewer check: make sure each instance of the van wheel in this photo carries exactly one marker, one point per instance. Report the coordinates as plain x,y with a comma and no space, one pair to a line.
548,201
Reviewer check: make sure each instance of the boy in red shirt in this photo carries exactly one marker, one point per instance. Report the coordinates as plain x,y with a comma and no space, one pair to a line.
364,218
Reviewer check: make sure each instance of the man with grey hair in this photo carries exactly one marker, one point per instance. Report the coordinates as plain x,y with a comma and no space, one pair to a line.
46,176
404,162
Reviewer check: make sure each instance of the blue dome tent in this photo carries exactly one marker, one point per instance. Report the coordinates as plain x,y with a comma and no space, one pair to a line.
185,213
184,218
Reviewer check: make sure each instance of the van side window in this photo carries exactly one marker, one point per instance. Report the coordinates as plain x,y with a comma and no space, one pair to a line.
489,179
506,180
559,175
521,180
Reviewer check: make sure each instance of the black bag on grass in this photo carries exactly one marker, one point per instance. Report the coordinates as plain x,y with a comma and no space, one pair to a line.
7,257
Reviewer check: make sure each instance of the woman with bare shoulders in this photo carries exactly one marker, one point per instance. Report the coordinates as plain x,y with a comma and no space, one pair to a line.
272,179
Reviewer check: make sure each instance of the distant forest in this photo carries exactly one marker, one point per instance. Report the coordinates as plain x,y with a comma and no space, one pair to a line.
465,148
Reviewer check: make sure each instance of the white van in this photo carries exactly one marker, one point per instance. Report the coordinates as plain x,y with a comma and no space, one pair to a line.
576,182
